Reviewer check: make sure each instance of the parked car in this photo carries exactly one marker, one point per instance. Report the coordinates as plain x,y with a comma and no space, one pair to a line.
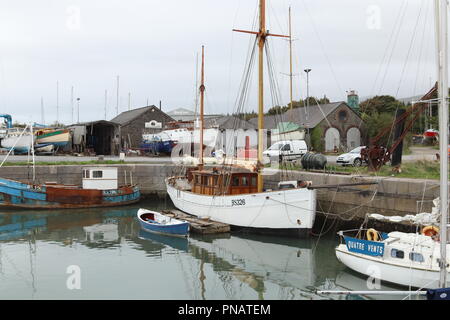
351,158
287,150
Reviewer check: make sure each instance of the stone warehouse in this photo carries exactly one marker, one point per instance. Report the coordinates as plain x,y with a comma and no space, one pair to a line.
135,122
339,125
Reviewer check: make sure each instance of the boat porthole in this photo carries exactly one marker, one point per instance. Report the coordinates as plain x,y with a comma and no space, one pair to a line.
299,253
299,221
267,198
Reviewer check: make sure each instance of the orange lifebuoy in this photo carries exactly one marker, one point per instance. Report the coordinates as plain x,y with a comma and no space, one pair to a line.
430,231
372,235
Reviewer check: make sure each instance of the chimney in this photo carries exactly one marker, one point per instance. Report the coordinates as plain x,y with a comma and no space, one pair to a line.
160,105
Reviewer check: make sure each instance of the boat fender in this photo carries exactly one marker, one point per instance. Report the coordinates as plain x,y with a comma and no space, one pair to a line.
372,234
430,231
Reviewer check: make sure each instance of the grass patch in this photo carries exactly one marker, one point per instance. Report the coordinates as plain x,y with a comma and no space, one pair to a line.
416,170
63,163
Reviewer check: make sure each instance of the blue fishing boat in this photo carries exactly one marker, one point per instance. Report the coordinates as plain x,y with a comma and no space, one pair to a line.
153,221
157,146
100,188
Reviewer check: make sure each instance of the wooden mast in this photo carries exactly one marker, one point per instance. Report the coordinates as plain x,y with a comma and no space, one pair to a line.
261,43
262,34
202,99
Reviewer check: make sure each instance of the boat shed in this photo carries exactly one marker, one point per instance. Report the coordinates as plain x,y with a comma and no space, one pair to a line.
134,123
97,137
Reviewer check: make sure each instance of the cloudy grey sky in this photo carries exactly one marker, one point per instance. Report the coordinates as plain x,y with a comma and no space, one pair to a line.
372,46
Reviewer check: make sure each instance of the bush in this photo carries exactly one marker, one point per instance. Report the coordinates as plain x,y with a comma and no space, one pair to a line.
317,139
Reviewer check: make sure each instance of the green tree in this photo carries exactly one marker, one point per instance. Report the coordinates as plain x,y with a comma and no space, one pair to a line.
377,121
317,139
381,104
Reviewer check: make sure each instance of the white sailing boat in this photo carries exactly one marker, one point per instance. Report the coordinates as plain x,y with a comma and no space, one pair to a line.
412,259
235,195
18,140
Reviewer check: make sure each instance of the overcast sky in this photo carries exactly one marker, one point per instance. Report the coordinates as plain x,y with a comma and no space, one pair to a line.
371,46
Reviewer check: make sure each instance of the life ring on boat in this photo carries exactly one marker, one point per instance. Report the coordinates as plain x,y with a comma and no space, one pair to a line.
430,231
372,234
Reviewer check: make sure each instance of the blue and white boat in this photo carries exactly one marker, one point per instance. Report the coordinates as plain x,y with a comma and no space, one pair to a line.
153,221
157,146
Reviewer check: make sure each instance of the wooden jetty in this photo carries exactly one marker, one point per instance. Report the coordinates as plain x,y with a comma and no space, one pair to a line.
198,225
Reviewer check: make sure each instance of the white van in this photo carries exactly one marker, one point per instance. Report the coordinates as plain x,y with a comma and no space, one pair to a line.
287,150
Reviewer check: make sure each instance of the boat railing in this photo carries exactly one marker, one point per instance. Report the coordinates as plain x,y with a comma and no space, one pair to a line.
363,234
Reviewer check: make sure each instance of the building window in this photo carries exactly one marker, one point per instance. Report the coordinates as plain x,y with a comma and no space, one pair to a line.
342,115
254,182
86,174
97,174
244,181
235,181
417,257
215,180
397,254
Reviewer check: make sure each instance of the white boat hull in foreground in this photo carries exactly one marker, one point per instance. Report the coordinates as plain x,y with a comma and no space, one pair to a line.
290,211
399,271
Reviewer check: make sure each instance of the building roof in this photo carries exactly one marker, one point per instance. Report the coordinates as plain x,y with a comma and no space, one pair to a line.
316,114
127,116
229,122
85,124
183,114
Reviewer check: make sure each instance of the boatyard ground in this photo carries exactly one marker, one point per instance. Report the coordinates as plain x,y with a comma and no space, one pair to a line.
417,153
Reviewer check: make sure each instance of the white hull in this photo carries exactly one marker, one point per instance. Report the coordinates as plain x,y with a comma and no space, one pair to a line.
397,273
23,143
61,138
276,210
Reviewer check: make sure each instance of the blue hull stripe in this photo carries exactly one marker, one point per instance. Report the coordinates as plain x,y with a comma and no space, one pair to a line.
19,193
178,229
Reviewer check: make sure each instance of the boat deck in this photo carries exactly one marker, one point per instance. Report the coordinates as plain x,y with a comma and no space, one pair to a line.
199,225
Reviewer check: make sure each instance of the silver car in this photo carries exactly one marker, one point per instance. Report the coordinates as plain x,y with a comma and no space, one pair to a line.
351,158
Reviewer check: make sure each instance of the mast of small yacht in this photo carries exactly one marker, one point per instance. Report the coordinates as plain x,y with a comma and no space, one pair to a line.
441,8
262,34
202,99
291,75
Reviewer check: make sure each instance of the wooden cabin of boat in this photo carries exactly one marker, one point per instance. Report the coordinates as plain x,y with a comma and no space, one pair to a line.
100,178
215,182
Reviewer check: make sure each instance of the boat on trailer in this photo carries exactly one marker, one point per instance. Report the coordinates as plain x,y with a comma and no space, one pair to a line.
56,137
156,222
99,189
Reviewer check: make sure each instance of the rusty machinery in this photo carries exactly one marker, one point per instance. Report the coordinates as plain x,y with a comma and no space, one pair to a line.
375,154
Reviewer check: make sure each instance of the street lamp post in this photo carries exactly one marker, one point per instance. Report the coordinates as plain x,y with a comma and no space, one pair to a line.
78,107
307,98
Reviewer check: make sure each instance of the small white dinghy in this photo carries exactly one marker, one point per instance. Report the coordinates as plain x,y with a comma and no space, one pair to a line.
153,221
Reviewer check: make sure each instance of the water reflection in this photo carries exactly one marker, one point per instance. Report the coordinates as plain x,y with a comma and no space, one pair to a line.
236,266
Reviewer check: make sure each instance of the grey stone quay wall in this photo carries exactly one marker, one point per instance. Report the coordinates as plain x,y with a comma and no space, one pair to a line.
392,196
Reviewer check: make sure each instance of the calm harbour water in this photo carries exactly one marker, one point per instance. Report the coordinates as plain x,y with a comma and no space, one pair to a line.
117,260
